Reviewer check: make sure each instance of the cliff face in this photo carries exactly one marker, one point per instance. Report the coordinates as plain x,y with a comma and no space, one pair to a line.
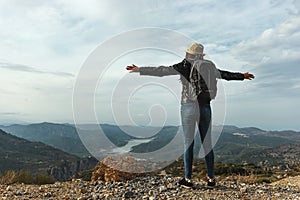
67,170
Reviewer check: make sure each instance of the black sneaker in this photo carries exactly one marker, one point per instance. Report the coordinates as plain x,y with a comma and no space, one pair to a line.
187,183
211,182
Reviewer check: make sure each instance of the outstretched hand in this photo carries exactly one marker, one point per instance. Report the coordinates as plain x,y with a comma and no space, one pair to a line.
133,68
248,76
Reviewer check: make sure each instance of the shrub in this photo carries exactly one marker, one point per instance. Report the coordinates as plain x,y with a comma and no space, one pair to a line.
263,180
24,177
43,179
229,169
10,177
85,175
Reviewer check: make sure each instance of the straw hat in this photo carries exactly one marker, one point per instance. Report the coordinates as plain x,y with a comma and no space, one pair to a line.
196,49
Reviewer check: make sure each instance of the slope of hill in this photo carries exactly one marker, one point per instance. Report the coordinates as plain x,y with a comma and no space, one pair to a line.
236,145
38,158
285,156
61,136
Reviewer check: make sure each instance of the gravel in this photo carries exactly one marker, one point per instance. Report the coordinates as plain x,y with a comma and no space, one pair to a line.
148,188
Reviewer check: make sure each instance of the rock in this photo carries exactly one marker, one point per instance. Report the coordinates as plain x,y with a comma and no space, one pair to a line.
19,193
259,191
277,194
8,188
128,195
170,186
162,188
108,196
122,168
41,189
151,192
47,194
243,189
163,173
95,196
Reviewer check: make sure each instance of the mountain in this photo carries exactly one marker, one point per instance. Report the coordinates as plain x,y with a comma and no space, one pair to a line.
61,136
237,145
65,136
285,156
38,158
234,145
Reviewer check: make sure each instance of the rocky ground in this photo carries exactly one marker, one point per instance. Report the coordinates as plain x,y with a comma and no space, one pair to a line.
153,187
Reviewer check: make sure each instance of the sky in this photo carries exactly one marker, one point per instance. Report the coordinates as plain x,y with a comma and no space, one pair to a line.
45,44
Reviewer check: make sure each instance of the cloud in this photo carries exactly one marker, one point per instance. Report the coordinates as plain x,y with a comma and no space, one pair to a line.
66,31
273,45
12,113
59,35
275,58
24,68
47,33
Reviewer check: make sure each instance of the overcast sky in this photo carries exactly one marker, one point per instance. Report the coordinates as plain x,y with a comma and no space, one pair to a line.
45,43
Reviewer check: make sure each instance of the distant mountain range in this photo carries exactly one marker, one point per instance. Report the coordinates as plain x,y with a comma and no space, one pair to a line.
38,158
61,136
235,145
65,136
253,145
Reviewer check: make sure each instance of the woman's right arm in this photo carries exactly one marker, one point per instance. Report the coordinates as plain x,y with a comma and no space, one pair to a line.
157,71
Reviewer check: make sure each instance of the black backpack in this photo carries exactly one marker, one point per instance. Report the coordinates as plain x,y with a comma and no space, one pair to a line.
205,78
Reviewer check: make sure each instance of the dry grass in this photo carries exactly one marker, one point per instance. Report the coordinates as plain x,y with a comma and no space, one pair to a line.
289,181
242,179
10,177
